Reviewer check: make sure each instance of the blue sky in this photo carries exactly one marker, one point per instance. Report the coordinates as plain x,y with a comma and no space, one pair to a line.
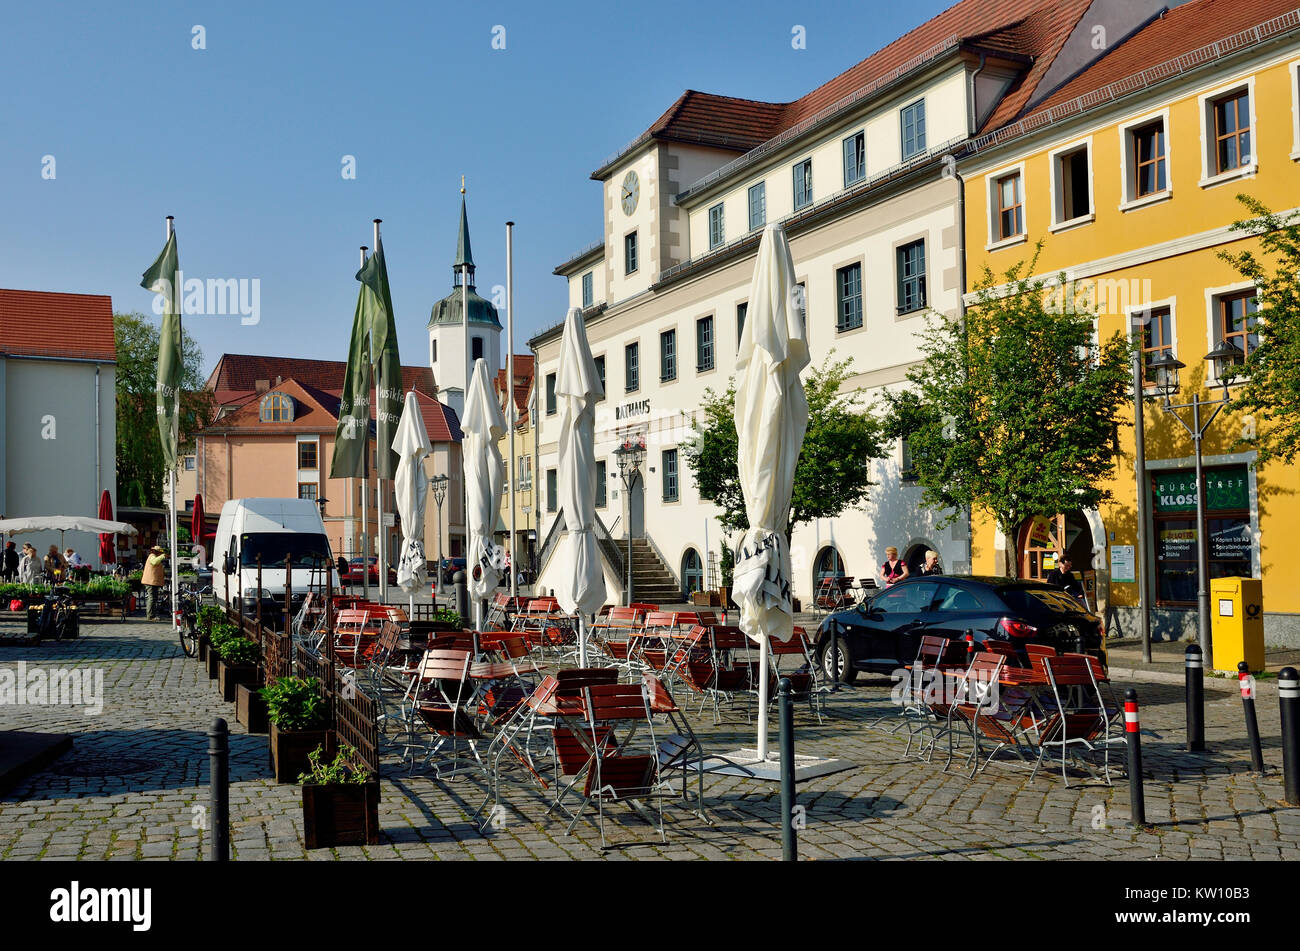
244,141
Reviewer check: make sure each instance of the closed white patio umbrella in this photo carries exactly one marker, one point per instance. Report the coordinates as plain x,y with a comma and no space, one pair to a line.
581,590
483,426
410,486
771,419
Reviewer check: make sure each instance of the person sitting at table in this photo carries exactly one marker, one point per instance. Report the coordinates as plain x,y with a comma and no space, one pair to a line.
55,566
894,569
1062,577
931,566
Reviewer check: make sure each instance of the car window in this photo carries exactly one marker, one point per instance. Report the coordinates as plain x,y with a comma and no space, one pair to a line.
1035,599
911,598
955,598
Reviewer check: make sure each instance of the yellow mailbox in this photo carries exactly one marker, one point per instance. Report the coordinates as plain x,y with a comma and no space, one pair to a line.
1237,623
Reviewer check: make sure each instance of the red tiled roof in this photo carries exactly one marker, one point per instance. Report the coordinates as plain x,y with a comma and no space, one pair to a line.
48,324
523,383
1042,33
313,410
440,421
1181,30
742,124
241,372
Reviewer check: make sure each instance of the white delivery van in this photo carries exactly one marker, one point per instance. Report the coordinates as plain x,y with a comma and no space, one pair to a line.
270,529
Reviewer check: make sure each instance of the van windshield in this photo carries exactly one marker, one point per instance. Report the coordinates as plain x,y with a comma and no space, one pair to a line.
308,550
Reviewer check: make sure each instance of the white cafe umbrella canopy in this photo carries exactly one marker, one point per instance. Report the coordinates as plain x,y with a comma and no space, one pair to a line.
581,588
771,419
65,523
482,426
411,443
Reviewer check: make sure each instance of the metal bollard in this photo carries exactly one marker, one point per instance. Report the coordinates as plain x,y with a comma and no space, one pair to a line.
1288,699
789,851
1248,707
1133,741
219,791
970,645
461,590
1194,667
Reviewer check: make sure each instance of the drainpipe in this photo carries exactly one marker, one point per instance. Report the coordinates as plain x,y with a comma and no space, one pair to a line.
99,466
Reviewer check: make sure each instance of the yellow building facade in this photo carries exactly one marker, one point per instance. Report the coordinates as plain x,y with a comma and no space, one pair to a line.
1129,176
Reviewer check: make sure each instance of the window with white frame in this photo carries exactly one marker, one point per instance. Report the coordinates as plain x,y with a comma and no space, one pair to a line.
717,227
803,193
741,311
588,290
307,490
1227,133
1071,184
550,394
600,372
551,493
1007,203
1235,317
600,484
912,121
757,205
1153,335
308,457
1146,160
855,158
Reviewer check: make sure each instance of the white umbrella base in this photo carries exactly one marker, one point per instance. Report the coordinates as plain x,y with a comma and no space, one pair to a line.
745,762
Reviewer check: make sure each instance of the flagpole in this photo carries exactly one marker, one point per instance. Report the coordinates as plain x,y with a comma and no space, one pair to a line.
464,405
379,479
365,491
171,474
510,395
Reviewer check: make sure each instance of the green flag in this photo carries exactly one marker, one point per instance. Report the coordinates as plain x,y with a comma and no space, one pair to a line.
383,348
163,278
353,432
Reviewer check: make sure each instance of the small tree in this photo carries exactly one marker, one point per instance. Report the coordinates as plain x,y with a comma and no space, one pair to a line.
1271,374
832,473
1014,409
140,472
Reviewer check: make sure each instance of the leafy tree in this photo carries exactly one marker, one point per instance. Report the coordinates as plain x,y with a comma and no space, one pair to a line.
832,473
1014,409
1271,374
140,475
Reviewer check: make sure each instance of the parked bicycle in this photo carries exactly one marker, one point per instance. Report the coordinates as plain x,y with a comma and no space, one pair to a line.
186,615
56,615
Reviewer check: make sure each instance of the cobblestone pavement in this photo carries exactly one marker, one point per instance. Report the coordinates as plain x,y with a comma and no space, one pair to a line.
133,787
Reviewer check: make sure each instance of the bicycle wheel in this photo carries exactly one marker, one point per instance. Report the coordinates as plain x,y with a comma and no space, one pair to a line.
189,636
59,622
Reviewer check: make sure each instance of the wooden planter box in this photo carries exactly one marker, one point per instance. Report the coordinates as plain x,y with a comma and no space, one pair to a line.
340,814
230,676
212,661
250,708
204,646
289,749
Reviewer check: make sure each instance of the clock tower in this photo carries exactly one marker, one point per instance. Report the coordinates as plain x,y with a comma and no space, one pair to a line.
454,343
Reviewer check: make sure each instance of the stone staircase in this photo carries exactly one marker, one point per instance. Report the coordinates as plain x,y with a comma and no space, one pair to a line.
652,581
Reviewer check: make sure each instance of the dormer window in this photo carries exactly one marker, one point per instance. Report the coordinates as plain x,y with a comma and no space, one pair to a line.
276,408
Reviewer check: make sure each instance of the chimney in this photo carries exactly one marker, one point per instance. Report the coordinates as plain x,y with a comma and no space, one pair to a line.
261,386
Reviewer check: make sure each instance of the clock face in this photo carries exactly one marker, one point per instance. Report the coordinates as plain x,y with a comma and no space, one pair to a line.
631,192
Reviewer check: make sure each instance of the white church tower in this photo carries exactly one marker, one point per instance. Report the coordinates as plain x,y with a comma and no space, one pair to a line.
451,358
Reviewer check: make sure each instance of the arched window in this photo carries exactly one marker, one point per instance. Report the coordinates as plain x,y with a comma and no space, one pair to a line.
829,564
276,408
692,573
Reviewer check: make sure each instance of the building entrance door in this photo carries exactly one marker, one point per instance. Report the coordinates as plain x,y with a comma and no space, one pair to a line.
636,509
1045,537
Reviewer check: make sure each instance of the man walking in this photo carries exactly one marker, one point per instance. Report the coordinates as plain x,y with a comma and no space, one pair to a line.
10,567
155,576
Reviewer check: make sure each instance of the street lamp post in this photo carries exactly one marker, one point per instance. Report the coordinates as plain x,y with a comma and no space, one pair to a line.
439,485
1223,359
629,456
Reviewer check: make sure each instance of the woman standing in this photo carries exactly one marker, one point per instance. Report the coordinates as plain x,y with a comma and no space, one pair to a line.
893,570
27,565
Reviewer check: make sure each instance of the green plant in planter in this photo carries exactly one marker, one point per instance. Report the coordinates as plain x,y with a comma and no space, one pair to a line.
448,617
107,589
12,590
209,616
221,634
294,703
346,768
239,652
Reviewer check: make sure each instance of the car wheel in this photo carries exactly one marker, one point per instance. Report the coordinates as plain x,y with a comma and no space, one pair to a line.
845,674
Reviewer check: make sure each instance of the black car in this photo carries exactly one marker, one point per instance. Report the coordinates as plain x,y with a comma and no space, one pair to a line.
884,633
